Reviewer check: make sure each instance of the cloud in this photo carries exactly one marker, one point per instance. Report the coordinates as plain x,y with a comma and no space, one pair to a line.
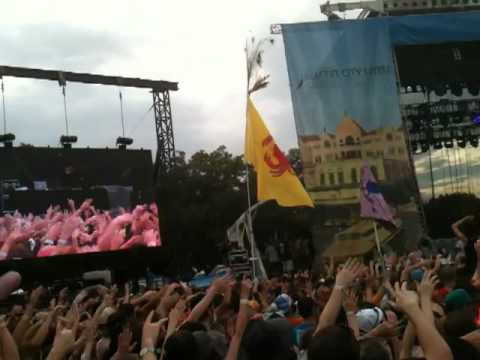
60,46
200,45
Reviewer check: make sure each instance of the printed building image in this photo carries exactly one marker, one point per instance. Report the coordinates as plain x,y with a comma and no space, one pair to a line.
332,162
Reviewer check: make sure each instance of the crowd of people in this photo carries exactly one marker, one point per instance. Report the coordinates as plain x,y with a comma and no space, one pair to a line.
77,231
414,306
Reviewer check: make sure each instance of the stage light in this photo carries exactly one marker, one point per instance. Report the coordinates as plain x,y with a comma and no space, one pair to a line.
444,120
437,145
473,88
457,118
67,141
473,140
415,125
420,89
448,143
425,146
7,140
439,89
456,88
414,146
462,143
476,119
123,142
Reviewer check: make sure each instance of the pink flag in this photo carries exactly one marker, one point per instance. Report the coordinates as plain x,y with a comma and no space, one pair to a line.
372,203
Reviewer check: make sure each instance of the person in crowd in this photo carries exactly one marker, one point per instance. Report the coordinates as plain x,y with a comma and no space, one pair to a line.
393,308
77,231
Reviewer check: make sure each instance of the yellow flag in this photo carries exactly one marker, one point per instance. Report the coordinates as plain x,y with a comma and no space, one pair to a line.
276,179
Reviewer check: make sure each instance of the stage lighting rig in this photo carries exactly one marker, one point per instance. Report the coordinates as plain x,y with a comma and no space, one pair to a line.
123,142
439,89
425,146
414,145
473,140
462,144
473,88
456,89
7,140
67,141
448,143
437,145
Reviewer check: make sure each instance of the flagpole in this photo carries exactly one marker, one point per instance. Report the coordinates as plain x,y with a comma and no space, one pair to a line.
379,248
250,235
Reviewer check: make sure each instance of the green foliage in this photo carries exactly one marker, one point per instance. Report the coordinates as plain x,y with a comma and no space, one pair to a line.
204,195
295,161
198,201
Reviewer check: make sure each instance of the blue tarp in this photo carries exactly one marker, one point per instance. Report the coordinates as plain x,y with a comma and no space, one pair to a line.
433,28
345,67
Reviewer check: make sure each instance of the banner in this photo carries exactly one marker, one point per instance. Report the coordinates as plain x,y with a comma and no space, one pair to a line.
346,107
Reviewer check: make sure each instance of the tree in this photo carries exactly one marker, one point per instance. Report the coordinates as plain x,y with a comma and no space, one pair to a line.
295,161
442,212
203,196
198,201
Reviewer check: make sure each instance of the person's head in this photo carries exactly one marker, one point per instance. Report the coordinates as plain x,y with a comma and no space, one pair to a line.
368,319
457,299
374,349
448,276
282,304
460,322
306,307
334,343
264,341
193,326
417,275
181,345
462,350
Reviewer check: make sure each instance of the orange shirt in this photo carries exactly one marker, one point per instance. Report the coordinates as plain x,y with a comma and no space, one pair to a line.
295,320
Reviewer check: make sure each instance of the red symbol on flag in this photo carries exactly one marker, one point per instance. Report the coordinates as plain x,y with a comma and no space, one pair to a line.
275,159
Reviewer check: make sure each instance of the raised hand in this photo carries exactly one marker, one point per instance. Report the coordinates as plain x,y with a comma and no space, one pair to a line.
63,343
71,205
220,284
428,284
348,274
72,223
35,295
245,288
177,312
8,283
387,330
406,300
123,219
350,301
151,330
86,205
125,345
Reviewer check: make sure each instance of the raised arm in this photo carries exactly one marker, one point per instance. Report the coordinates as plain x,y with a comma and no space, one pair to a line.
8,346
432,343
408,341
344,279
456,228
242,321
217,286
425,291
24,322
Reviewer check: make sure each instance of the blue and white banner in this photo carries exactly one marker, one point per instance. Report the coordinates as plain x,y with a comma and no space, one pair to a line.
347,114
339,69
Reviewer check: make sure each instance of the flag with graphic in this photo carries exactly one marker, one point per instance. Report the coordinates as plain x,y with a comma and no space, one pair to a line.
372,203
276,179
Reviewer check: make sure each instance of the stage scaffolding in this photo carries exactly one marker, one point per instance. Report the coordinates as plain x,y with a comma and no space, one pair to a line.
165,156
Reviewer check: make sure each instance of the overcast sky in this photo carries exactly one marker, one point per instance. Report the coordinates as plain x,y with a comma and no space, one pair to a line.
197,43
